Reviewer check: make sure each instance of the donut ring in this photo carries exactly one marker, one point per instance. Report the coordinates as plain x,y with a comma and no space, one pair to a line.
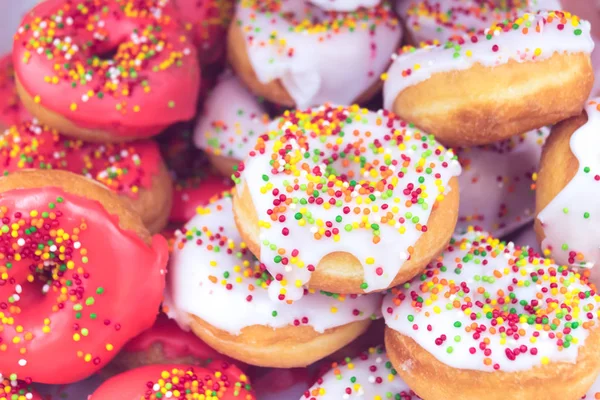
468,108
445,20
230,123
278,50
370,375
353,201
150,82
495,314
164,343
11,389
206,22
11,109
71,313
219,381
211,265
496,183
565,191
135,171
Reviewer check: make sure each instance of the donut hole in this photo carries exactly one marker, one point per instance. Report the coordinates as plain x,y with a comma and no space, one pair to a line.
108,54
38,284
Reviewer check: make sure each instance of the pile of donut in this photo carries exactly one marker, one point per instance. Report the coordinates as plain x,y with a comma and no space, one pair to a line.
223,199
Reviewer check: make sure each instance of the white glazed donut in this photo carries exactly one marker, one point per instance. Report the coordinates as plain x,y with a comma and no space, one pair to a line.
495,314
442,20
496,183
214,280
315,55
230,123
568,223
367,376
534,59
348,191
344,5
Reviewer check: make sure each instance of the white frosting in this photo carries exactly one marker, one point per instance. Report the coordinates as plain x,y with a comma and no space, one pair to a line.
210,254
474,284
544,38
368,376
398,223
344,5
316,63
231,120
443,20
572,233
496,184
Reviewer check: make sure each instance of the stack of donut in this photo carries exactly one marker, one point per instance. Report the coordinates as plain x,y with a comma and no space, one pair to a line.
316,196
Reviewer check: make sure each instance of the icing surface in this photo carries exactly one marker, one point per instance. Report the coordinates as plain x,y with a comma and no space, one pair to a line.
487,305
219,381
11,109
528,38
211,265
444,20
342,179
304,46
369,376
568,221
124,168
121,66
74,287
231,121
207,22
344,5
496,183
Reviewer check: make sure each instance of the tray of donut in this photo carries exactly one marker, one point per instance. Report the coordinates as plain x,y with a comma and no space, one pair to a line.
299,199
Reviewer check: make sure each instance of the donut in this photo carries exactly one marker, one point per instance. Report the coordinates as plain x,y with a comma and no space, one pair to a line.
212,265
124,70
194,192
290,51
230,123
219,381
444,20
164,343
494,313
368,376
447,89
565,191
11,389
344,5
81,276
496,183
11,109
345,200
135,171
206,21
